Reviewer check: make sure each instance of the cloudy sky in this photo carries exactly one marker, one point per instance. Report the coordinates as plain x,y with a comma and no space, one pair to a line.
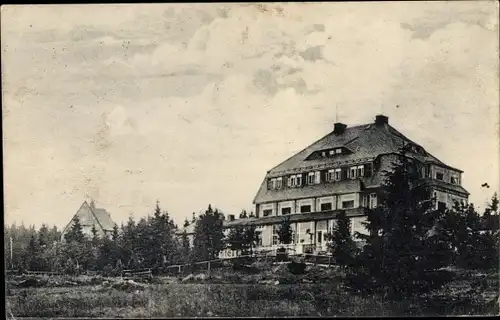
191,104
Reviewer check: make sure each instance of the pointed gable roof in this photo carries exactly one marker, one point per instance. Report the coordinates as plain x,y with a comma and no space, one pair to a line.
90,216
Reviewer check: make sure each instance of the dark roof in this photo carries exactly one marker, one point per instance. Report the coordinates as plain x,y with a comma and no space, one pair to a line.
307,191
367,142
296,217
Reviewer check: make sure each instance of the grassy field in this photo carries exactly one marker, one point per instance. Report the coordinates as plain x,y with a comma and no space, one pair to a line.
241,295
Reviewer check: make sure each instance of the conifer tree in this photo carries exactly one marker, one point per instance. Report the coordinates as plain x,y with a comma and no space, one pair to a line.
285,231
344,248
186,248
398,248
209,235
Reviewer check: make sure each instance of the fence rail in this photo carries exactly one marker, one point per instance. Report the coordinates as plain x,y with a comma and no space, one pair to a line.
139,272
317,259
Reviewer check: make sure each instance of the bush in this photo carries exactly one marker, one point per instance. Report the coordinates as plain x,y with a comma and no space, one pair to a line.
297,267
281,255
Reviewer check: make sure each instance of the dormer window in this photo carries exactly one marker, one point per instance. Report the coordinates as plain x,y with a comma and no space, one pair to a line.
338,151
338,174
361,171
323,154
331,175
279,183
310,178
332,153
271,184
352,173
439,176
454,180
299,180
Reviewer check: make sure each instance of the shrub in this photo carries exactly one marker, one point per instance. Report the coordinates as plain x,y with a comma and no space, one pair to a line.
297,267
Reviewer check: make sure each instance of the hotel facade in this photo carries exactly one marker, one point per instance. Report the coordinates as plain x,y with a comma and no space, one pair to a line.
344,170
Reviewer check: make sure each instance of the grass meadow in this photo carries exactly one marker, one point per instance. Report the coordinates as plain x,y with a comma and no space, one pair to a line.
248,297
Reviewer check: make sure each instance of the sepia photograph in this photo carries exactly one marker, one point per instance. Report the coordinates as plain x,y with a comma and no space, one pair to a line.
277,159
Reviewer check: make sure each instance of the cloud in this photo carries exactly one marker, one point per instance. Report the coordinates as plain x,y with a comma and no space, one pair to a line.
192,105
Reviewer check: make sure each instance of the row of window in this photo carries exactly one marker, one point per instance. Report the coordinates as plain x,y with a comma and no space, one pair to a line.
331,153
367,202
316,177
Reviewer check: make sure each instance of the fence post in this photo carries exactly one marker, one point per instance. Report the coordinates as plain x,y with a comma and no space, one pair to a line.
208,269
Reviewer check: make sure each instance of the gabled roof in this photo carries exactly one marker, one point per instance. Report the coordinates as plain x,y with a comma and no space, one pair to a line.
90,216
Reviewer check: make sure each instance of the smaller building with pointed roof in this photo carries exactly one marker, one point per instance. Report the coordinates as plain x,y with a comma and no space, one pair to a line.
89,217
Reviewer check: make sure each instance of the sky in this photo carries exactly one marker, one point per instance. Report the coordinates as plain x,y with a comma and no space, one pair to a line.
191,104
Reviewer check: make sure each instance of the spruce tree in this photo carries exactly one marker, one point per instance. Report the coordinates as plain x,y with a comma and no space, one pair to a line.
186,247
397,253
209,235
344,248
235,239
285,231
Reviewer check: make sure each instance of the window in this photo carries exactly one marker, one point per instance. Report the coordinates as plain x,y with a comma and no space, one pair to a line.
361,171
439,176
258,235
299,180
348,204
338,175
323,154
279,183
285,211
275,235
305,209
292,181
338,151
373,200
326,206
365,201
267,212
352,173
320,237
332,152
421,172
331,175
310,178
271,184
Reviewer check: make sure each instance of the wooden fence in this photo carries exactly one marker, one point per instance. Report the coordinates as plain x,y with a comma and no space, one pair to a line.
140,273
208,265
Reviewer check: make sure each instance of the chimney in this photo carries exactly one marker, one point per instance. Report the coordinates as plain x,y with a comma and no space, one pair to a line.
339,128
231,217
381,119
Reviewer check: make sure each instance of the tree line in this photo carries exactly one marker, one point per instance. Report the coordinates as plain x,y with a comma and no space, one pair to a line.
407,239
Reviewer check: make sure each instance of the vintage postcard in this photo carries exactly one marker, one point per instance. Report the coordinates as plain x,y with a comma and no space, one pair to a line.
336,159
